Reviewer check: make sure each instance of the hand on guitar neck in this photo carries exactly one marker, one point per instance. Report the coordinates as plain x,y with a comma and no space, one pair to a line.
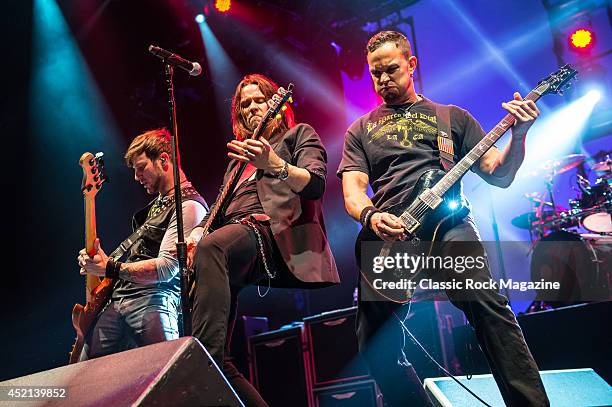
95,265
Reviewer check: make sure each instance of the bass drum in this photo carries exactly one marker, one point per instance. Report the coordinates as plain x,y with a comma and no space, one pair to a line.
596,203
580,263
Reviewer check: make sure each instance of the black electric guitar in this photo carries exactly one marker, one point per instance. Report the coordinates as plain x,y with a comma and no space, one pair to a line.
275,105
98,291
426,212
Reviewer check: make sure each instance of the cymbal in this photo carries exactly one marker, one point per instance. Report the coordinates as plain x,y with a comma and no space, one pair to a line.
562,164
524,221
603,165
535,198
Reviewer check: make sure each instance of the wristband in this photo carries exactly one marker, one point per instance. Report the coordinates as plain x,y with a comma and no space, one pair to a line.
112,269
366,215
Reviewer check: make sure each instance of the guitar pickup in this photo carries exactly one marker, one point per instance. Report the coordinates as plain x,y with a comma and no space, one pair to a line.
430,198
411,223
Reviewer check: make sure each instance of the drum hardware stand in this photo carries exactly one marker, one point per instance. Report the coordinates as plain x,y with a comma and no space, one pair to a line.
498,248
549,184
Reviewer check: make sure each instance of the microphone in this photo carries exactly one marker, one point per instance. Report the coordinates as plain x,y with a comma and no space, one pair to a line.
193,68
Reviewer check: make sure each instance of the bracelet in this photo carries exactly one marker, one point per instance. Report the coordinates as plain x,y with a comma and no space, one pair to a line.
366,215
112,269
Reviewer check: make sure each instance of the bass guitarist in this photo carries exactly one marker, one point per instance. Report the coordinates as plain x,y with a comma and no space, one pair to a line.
388,149
144,304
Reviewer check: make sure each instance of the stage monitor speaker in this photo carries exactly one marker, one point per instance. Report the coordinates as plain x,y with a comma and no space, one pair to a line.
174,373
565,388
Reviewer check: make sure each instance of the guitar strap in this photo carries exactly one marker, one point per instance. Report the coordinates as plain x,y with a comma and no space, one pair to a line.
186,193
445,140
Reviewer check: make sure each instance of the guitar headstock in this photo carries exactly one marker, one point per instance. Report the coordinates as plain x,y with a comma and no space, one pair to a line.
277,103
94,174
557,82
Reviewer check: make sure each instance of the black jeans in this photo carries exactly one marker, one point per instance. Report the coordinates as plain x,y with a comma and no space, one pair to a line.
225,261
500,337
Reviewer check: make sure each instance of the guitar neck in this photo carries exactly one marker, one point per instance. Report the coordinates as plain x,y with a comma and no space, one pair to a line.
231,181
90,238
478,151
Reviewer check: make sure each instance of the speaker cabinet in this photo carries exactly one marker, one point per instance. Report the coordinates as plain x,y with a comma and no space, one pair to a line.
280,367
362,393
174,373
330,362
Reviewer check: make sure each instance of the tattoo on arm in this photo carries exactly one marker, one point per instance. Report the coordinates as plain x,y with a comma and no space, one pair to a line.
143,272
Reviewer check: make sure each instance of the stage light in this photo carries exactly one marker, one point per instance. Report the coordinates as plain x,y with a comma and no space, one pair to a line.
452,205
335,46
593,95
200,18
223,5
582,39
556,134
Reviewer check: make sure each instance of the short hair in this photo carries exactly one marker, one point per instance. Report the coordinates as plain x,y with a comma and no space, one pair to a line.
395,37
153,143
268,88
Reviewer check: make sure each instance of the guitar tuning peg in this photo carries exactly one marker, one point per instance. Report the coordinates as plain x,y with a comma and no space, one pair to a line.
278,116
284,108
290,100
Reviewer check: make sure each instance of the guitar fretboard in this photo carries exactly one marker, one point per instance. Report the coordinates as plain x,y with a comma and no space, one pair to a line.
478,151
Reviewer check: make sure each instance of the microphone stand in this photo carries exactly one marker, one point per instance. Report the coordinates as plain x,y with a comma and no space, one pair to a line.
181,246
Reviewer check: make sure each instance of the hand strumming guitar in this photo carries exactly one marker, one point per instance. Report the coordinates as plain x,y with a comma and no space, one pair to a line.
388,227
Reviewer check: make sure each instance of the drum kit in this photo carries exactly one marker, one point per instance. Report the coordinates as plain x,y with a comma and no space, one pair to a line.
582,261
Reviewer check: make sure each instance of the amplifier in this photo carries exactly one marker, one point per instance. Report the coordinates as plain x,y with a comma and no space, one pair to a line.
334,353
280,367
362,393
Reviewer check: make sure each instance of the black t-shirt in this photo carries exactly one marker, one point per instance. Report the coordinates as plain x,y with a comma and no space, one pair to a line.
245,202
394,145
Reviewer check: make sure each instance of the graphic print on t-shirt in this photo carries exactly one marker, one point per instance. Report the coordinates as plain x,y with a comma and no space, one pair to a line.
403,129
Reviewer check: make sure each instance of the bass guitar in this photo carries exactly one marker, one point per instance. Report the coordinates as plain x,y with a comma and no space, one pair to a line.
97,291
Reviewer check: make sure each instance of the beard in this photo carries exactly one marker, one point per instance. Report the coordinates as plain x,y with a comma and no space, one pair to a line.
253,122
390,95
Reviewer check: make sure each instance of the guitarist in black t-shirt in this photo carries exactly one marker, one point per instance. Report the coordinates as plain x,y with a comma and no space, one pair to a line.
389,149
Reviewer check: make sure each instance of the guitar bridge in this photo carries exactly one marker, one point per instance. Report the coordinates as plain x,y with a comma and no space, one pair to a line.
430,198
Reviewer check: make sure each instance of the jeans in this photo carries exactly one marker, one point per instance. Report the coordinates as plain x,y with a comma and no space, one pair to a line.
132,322
500,337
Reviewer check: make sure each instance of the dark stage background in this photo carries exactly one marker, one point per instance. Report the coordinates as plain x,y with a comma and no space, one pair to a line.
78,77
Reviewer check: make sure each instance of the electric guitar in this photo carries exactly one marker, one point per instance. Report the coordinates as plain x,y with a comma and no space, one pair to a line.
275,105
97,291
426,213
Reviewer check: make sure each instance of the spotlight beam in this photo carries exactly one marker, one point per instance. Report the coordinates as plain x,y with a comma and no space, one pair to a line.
223,73
492,52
